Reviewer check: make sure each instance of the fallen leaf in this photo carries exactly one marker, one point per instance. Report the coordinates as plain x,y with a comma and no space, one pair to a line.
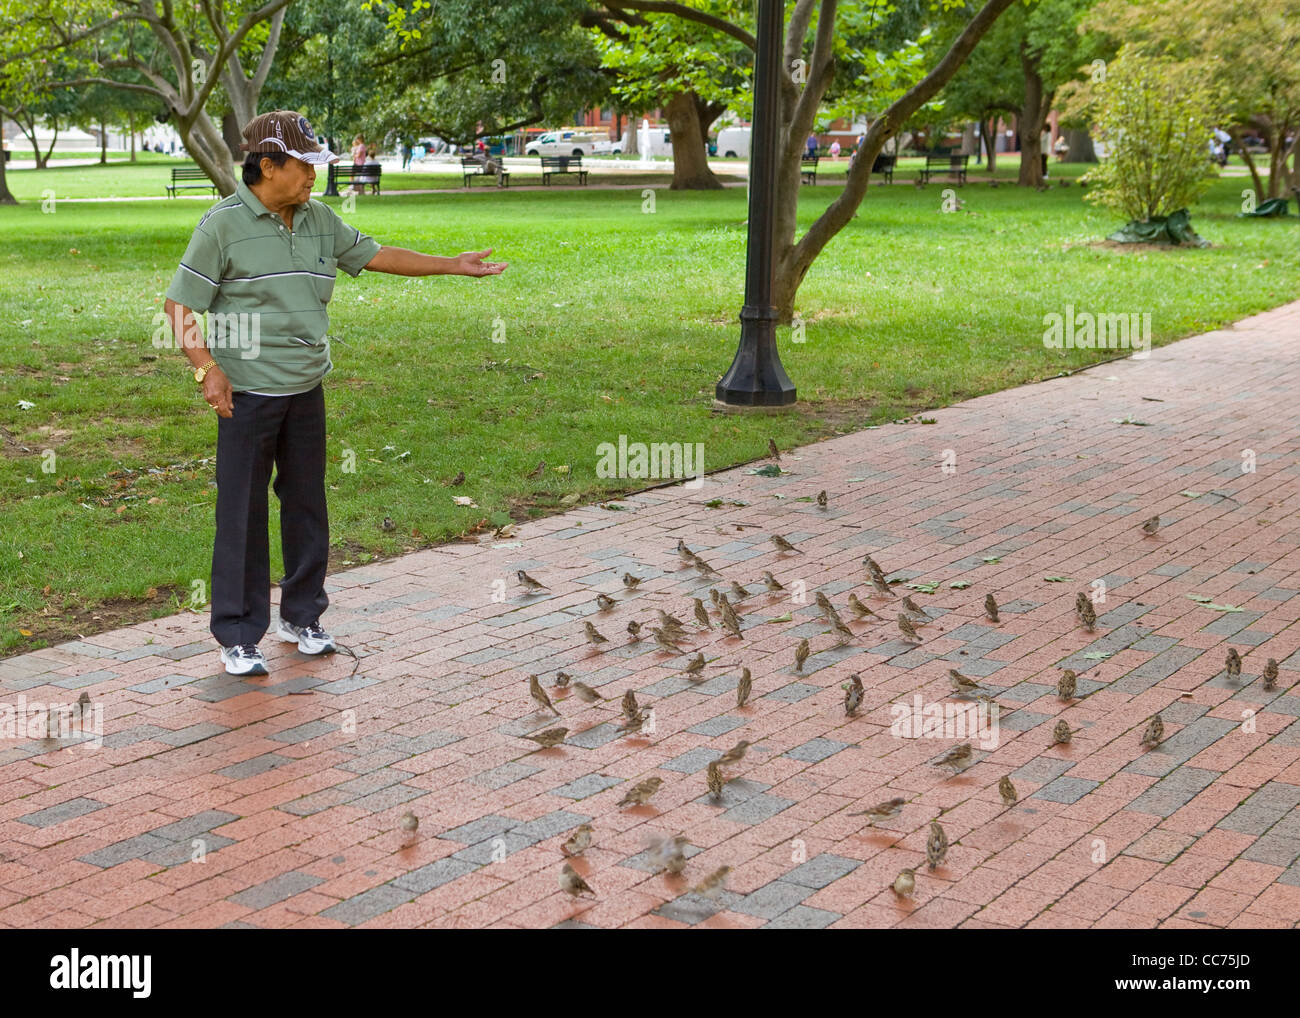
464,500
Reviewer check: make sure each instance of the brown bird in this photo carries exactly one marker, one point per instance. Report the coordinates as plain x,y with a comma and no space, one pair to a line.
1233,664
640,793
458,480
735,754
713,596
739,592
991,608
630,707
670,623
1080,599
907,629
961,684
1270,673
562,679
936,847
853,693
958,757
859,609
604,602
732,625
409,824
586,694
572,884
881,586
593,636
1155,732
631,582
716,781
783,545
633,724
529,584
1066,684
664,641
634,629
915,610
773,451
800,655
538,694
537,471
827,609
1061,732
713,884
1150,525
881,810
683,552
905,883
771,583
1088,615
548,739
577,842
821,499
872,565
668,853
1007,790
695,664
744,687
703,568
843,634
702,614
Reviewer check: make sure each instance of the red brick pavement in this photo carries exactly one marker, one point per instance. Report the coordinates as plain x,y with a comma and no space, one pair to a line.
275,802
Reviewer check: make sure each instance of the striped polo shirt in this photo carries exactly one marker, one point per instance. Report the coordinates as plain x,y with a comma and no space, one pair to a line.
264,288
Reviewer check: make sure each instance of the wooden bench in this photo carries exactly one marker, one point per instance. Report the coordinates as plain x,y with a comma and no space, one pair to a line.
954,165
884,167
562,164
473,166
351,172
808,169
180,174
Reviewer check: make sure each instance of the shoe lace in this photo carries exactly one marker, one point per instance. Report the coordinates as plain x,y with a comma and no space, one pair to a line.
246,650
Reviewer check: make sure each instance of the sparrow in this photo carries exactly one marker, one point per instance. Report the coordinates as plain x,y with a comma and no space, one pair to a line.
1088,615
1155,732
914,609
641,792
1066,684
1269,674
1080,599
630,581
669,853
537,471
859,609
1007,790
562,679
1150,525
631,708
732,625
529,584
83,701
703,568
592,635
739,592
828,610
843,632
771,583
577,842
735,754
1061,733
716,781
1233,664
604,602
713,596
744,687
409,823
907,629
572,884
905,883
388,524
783,545
634,629
664,641
936,847
633,724
702,614
458,480
695,664
853,695
991,608
670,623
800,655
538,694
712,885
548,739
586,694
881,810
821,499
684,553
881,586
959,757
773,451
961,684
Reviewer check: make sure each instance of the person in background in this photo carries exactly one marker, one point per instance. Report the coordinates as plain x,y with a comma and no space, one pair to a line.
835,149
407,151
1061,148
358,160
812,145
1045,148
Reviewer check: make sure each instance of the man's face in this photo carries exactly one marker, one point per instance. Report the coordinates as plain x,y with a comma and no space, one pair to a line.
290,183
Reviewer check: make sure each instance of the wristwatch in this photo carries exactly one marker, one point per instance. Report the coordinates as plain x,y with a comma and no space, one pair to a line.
201,372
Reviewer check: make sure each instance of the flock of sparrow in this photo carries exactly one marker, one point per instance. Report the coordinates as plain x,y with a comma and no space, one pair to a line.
668,854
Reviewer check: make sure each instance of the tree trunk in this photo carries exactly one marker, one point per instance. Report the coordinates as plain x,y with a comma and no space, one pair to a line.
690,158
207,148
28,130
6,196
130,129
233,133
633,146
103,144
53,141
1248,159
990,131
1079,147
1032,118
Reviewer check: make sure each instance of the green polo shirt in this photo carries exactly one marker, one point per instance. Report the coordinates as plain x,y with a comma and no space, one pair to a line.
265,287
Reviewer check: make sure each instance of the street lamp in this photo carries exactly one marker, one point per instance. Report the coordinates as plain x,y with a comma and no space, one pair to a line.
756,377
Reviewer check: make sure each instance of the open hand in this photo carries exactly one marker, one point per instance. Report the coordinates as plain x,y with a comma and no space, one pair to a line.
471,263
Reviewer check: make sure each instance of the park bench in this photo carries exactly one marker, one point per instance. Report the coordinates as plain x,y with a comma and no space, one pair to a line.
351,171
808,170
954,165
562,164
472,166
884,167
181,174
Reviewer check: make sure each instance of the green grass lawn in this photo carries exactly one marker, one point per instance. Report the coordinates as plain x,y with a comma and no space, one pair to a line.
615,322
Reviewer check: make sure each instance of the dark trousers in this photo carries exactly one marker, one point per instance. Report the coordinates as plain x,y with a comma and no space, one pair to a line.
289,432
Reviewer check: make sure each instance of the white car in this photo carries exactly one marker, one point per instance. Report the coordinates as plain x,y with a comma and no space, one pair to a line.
561,143
733,142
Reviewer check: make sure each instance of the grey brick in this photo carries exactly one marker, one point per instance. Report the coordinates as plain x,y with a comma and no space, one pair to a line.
803,917
815,750
821,870
122,851
693,760
177,853
694,908
254,766
191,827
588,784
1156,670
306,732
1230,623
80,681
756,809
277,889
488,850
771,900
595,736
1042,769
720,725
478,830
435,874
557,822
792,692
1171,794
506,774
1179,748
1066,790
52,815
368,904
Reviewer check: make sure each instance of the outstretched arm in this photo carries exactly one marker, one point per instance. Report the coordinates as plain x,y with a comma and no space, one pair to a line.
401,262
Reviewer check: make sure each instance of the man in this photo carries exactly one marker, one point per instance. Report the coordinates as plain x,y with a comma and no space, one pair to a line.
263,261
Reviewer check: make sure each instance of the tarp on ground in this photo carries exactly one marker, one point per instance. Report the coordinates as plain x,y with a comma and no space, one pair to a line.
1175,229
1267,210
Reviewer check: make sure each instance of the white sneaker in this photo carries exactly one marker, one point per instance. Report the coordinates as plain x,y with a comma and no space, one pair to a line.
244,659
311,639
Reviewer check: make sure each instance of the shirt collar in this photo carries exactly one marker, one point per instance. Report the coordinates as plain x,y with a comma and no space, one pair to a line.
246,195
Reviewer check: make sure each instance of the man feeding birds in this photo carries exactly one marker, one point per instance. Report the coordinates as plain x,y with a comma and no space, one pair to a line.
263,262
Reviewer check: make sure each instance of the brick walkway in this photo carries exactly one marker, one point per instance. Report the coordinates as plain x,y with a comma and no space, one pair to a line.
293,785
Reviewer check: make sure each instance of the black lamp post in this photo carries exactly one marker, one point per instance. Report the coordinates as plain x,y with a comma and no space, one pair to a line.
756,377
331,181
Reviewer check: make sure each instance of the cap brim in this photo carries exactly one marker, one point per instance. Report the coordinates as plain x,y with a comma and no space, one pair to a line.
315,158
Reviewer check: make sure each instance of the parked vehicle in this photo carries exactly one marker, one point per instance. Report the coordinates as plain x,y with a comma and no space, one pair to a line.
733,142
561,143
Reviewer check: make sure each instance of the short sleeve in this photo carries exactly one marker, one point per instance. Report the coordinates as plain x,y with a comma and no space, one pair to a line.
198,277
352,248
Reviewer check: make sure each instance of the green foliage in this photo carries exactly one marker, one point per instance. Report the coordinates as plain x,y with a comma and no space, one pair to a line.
1154,117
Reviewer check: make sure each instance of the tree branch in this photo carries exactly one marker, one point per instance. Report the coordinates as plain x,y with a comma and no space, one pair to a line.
686,13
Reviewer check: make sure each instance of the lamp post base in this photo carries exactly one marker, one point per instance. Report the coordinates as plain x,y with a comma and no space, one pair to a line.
756,377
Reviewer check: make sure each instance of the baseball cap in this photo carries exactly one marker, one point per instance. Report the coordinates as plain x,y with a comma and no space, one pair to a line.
285,131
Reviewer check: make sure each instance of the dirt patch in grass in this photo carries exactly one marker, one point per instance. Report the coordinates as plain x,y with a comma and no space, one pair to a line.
113,613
